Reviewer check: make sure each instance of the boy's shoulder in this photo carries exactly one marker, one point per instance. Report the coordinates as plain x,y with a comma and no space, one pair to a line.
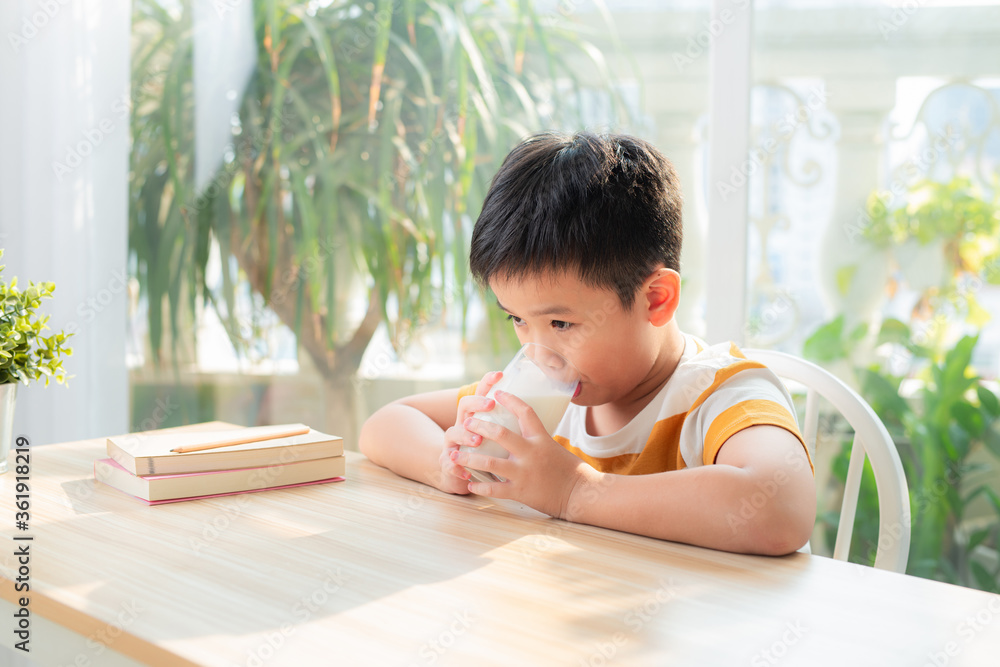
704,368
700,357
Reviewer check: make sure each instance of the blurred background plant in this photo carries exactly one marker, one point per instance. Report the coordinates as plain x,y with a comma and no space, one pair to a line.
944,245
360,155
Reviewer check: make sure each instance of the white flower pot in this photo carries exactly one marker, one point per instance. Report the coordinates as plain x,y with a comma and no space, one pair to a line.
8,392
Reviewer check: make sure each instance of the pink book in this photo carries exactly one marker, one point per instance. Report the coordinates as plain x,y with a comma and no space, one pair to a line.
159,489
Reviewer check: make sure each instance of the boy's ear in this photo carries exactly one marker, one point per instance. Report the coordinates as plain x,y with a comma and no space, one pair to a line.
662,291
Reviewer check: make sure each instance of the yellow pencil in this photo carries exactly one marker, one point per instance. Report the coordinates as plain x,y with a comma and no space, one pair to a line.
270,435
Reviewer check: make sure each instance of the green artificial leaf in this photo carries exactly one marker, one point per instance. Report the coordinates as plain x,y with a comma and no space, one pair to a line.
991,438
951,376
988,400
946,441
958,442
883,395
984,580
980,490
826,344
969,418
26,355
893,331
994,499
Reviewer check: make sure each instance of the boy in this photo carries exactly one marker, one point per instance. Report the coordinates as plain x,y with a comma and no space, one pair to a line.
579,239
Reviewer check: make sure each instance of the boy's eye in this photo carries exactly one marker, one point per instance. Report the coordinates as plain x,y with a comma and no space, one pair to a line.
558,325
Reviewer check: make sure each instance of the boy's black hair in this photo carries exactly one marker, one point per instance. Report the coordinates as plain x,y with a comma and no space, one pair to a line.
606,206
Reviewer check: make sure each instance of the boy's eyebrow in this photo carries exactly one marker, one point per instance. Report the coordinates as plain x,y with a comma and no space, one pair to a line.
547,310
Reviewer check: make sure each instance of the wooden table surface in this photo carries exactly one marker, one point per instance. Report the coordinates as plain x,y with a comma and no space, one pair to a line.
379,570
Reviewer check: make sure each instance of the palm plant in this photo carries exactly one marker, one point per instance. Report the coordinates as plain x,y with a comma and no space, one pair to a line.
361,153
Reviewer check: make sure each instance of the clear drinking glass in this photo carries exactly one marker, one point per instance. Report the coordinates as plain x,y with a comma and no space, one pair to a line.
542,378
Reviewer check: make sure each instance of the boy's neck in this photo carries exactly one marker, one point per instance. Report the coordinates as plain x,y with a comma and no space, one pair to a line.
611,417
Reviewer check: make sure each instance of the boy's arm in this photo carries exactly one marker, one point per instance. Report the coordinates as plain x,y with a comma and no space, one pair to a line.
407,436
759,496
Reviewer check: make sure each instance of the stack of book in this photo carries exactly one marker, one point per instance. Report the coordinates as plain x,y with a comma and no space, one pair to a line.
173,466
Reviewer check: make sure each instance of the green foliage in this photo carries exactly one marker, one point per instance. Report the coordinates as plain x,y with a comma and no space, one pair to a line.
829,341
964,221
952,420
936,211
25,354
937,432
361,153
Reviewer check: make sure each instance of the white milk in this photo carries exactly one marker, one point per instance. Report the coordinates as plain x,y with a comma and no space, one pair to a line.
549,408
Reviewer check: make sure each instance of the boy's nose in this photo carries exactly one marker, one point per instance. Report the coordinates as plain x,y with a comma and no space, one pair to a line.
551,362
544,356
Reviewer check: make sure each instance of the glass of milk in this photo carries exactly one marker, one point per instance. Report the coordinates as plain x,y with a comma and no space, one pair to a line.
542,378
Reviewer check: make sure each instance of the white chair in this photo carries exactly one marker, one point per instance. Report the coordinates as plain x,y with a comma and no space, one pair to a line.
870,438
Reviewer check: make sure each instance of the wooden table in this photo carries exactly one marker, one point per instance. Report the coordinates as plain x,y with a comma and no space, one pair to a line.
379,570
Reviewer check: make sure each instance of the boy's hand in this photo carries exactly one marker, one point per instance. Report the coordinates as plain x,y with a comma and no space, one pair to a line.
540,473
454,478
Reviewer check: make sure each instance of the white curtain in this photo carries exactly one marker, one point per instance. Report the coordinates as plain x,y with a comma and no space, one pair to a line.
224,59
64,137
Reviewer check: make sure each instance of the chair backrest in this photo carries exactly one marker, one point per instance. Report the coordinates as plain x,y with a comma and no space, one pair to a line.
871,439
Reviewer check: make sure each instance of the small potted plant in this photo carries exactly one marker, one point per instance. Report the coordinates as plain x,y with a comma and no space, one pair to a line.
25,354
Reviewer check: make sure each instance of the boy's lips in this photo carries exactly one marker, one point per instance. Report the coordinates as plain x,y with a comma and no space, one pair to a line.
579,387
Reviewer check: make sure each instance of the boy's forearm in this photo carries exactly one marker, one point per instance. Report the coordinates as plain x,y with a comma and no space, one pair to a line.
404,440
718,506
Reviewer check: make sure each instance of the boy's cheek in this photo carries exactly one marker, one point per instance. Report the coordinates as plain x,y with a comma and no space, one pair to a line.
576,341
